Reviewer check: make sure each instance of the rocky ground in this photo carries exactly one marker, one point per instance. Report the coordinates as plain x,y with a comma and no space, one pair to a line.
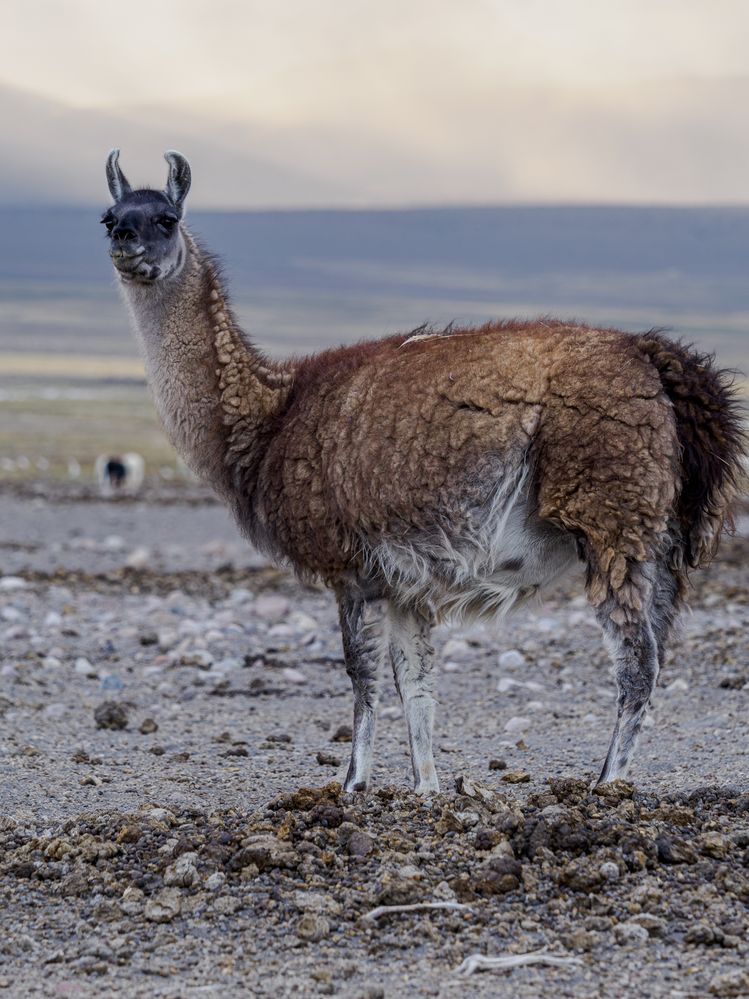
175,721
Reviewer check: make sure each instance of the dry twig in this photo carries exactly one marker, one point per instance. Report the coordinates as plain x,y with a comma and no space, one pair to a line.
479,962
385,910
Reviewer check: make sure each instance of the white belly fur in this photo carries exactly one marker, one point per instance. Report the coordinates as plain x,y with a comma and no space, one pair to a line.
500,557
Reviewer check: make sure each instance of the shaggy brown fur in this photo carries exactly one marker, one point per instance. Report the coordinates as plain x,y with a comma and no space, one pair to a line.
390,436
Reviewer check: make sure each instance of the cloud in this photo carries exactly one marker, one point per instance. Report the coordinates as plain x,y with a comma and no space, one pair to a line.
659,141
312,102
55,155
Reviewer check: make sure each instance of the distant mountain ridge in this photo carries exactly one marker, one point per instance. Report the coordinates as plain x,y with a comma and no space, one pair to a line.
305,279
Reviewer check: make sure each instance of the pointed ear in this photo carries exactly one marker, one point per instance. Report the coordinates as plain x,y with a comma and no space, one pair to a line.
180,176
116,179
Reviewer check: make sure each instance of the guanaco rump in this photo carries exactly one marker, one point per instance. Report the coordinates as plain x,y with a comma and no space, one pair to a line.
423,476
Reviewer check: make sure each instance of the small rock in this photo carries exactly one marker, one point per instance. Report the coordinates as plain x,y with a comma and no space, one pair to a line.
319,902
110,681
183,872
265,853
473,789
215,881
163,908
609,871
655,925
630,934
147,726
83,667
448,822
360,843
581,875
516,777
497,765
292,675
10,583
731,983
678,686
327,759
517,724
227,905
138,558
486,838
149,638
197,657
271,607
506,683
303,621
580,940
168,638
342,734
15,632
715,845
700,933
131,902
672,850
400,887
90,780
111,714
456,648
444,893
512,659
312,927
734,682
498,876
55,710
158,814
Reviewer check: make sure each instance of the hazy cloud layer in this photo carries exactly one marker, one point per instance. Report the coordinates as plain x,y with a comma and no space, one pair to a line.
323,103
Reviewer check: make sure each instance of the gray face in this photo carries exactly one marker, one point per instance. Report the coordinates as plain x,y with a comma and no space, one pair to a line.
143,226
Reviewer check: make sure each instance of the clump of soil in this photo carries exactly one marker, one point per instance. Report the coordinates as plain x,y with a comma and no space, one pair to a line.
575,870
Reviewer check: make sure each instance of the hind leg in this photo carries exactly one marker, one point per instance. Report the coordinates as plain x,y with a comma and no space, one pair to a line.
626,616
665,603
363,630
639,651
412,658
635,654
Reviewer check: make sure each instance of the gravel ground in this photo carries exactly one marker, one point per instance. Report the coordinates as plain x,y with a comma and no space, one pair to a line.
166,696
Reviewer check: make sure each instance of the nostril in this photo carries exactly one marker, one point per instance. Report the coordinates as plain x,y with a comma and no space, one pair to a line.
123,233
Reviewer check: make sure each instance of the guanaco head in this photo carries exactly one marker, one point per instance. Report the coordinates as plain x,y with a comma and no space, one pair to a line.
143,226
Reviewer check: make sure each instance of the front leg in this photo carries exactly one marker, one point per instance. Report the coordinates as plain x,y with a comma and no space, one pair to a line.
364,643
413,659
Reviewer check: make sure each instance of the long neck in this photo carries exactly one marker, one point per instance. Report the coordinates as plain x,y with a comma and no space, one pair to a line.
216,395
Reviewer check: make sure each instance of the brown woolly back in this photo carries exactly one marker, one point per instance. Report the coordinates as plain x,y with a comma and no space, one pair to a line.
711,434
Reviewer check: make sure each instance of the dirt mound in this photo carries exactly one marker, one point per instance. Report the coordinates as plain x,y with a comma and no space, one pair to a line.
570,869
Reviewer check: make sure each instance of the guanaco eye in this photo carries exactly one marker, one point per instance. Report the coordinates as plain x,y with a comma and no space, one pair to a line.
166,222
109,223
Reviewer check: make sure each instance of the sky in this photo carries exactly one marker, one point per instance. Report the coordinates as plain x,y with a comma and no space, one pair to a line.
379,102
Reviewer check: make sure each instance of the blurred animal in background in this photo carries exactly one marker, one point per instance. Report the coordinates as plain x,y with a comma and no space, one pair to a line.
119,475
